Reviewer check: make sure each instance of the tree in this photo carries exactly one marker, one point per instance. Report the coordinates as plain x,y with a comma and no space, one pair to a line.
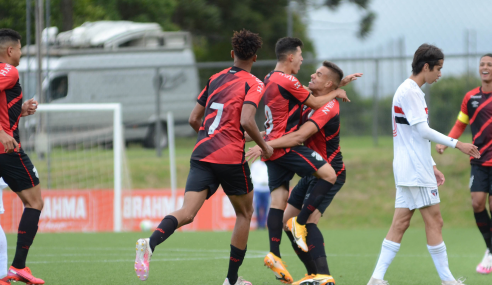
366,22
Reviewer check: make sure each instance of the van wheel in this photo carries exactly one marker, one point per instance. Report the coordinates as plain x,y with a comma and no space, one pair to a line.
149,141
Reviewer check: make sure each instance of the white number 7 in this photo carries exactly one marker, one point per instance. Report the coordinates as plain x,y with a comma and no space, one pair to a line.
220,108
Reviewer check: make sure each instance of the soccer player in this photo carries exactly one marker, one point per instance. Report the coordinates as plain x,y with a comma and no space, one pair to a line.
259,175
476,110
15,166
284,97
320,132
416,175
227,105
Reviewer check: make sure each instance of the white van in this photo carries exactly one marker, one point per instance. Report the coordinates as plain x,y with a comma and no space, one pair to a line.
118,62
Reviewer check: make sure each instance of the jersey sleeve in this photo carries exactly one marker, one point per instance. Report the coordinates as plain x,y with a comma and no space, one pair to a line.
413,108
202,98
463,115
295,88
324,114
8,77
254,93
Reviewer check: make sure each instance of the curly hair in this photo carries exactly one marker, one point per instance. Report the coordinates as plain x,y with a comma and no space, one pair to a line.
245,44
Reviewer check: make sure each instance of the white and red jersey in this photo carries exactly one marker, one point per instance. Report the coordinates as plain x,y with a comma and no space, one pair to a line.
412,162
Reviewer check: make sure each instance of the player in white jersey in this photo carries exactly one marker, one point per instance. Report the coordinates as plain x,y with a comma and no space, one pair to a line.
416,175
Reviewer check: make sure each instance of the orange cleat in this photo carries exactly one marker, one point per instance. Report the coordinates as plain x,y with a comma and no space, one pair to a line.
4,281
23,275
278,267
306,277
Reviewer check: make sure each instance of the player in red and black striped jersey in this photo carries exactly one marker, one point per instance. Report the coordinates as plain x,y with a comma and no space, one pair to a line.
16,168
320,131
225,109
476,110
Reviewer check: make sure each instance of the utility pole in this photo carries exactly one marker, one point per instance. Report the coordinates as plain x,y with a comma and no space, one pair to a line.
39,28
290,24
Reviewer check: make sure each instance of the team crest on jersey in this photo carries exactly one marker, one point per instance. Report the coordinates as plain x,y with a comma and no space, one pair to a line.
317,156
434,192
475,104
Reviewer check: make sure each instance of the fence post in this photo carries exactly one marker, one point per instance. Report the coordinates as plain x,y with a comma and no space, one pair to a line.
158,123
375,104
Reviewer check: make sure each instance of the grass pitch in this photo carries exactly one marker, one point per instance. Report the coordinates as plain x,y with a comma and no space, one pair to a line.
202,257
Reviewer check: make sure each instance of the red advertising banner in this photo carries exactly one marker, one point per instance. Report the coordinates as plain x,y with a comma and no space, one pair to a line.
92,210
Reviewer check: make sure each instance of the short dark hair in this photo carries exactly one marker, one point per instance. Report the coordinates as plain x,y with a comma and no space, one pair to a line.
9,35
426,54
245,44
487,54
286,45
335,69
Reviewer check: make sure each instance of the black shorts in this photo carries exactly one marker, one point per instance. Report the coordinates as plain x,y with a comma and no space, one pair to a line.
301,160
481,179
234,178
301,192
17,171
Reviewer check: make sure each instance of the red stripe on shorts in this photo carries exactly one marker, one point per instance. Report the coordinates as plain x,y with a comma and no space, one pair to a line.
32,182
246,180
312,165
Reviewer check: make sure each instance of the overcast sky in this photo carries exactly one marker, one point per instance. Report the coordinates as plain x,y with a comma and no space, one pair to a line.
439,22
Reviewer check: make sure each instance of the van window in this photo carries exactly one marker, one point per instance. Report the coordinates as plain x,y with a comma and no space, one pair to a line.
59,88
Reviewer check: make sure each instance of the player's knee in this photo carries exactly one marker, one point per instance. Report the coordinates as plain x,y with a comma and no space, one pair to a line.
402,226
246,213
327,173
478,205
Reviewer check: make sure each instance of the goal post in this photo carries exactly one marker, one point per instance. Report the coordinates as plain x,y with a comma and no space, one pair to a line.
117,144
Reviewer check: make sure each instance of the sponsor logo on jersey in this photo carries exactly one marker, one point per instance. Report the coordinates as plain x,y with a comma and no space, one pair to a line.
476,97
475,104
6,70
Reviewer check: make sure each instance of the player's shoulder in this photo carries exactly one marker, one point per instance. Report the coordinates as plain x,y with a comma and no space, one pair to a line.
409,88
287,81
8,70
329,108
216,75
472,92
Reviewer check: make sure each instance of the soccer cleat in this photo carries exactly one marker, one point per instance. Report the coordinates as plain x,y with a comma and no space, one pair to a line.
319,279
454,282
142,258
375,281
23,275
278,267
485,266
4,281
306,277
240,281
299,232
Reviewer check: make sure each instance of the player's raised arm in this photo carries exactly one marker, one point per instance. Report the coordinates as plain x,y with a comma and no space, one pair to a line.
318,102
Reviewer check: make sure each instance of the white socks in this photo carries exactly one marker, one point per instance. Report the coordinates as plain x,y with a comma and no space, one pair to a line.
3,253
388,253
440,257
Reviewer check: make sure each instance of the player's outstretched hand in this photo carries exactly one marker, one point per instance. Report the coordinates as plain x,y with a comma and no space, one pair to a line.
440,148
266,153
253,153
468,148
29,107
439,176
350,78
8,142
342,95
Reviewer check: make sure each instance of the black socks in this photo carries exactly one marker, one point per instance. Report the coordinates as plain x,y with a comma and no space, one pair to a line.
485,227
275,224
165,229
236,259
315,198
28,227
316,246
305,257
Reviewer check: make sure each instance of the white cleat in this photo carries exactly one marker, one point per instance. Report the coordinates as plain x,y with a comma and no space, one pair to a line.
142,258
375,281
460,281
240,281
485,266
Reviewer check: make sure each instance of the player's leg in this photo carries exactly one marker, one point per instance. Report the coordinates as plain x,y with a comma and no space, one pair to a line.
22,177
293,209
391,244
263,205
435,244
479,188
243,206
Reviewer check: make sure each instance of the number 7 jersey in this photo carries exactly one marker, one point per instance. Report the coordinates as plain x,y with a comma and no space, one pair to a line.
221,136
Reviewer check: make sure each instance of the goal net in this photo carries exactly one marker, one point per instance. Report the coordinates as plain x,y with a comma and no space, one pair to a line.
78,151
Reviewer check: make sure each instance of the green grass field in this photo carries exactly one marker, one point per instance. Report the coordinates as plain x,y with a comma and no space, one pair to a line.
202,258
